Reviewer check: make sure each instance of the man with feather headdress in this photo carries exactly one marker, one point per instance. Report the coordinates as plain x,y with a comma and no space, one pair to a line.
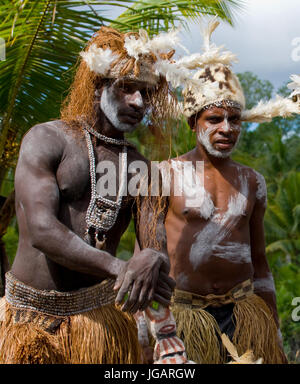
215,232
59,304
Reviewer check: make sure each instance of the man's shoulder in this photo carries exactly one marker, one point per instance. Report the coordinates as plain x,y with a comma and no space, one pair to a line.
55,129
45,140
255,179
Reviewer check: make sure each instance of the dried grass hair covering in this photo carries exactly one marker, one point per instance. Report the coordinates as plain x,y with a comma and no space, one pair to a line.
215,83
111,54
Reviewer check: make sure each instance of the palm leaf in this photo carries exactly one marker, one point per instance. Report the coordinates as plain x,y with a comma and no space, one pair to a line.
155,16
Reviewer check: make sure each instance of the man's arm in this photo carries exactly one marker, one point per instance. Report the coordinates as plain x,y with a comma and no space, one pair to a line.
263,279
151,246
38,196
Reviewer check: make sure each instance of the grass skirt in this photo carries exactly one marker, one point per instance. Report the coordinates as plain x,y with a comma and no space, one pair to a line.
105,335
255,329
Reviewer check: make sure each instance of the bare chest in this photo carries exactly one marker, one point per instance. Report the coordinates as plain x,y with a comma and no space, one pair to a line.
214,198
78,176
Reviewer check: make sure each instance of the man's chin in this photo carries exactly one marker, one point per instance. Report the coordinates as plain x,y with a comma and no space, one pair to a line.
123,127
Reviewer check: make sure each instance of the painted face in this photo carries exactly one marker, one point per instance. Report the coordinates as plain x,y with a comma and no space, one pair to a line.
218,130
124,103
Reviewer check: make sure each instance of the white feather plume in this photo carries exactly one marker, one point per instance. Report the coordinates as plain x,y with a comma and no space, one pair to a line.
294,85
163,42
212,54
207,32
175,74
266,111
98,60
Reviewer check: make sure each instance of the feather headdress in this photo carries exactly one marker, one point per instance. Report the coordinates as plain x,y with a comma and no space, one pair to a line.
266,111
99,60
212,54
216,81
147,58
219,83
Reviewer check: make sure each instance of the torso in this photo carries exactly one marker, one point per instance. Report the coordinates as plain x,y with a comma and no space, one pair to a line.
73,180
209,245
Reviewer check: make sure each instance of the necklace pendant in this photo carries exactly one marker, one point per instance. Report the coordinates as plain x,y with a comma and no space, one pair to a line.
100,242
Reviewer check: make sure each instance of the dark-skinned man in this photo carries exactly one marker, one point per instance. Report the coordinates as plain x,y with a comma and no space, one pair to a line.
62,288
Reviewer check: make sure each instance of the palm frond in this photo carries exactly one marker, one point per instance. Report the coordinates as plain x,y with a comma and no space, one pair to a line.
155,16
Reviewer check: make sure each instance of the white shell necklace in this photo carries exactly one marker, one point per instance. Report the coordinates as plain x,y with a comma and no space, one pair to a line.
102,213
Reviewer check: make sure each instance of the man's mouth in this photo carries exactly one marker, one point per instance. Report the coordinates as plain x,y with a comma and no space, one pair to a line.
131,118
224,144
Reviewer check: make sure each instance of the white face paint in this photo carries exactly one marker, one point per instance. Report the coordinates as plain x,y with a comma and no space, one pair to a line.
265,284
110,106
210,238
204,138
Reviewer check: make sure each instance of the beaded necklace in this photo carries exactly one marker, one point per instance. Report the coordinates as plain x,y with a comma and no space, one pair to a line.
102,213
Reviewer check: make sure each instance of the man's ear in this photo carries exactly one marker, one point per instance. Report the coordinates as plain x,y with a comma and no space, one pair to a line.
192,122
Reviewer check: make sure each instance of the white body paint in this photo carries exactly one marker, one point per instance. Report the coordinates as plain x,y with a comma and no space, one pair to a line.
209,239
265,284
109,106
261,193
182,281
234,252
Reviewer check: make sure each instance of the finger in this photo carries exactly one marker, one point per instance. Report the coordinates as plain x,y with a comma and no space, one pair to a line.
165,278
165,266
164,285
166,293
119,281
124,288
131,304
143,299
161,300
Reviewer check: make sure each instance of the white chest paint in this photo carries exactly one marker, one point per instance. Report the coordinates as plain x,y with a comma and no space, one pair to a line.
208,240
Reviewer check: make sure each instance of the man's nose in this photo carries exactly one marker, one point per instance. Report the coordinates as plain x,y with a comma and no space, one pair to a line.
225,127
136,101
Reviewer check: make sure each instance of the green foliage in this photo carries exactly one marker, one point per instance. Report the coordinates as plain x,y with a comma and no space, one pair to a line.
155,16
11,243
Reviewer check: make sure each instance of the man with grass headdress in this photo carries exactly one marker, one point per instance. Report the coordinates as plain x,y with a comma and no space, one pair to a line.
59,305
214,220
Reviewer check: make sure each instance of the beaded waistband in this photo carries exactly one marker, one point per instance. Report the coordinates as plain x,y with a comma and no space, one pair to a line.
192,300
57,303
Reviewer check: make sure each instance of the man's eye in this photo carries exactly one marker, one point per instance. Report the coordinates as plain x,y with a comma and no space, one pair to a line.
125,88
235,119
215,120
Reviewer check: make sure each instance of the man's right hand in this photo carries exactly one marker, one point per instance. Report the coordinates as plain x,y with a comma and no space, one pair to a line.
145,278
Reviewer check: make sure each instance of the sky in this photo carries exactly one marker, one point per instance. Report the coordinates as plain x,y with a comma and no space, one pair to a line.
261,38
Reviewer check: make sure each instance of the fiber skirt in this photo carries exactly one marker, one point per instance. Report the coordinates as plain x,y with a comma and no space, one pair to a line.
102,335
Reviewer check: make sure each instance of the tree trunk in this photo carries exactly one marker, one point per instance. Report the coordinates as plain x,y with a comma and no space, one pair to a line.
7,212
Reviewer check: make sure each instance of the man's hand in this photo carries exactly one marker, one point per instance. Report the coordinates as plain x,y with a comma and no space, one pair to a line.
145,278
